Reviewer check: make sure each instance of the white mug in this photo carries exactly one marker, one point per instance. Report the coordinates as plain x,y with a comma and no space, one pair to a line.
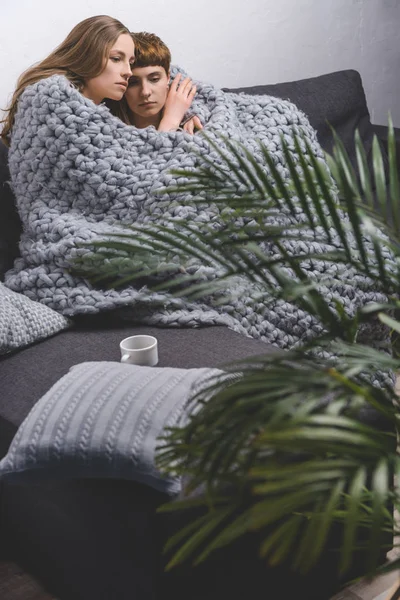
139,350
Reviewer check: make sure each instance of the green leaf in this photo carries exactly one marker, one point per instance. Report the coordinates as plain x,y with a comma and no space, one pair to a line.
281,539
311,188
277,444
298,186
319,527
380,179
394,179
345,168
207,526
363,169
390,322
352,516
279,183
380,495
351,193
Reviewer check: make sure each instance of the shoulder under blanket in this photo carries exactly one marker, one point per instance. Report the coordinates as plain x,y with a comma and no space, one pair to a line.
77,171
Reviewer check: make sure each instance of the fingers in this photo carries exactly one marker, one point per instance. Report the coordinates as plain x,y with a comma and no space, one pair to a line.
176,81
188,89
189,127
185,87
192,125
186,84
197,123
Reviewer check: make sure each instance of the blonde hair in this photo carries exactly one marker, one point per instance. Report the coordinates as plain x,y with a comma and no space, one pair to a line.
79,57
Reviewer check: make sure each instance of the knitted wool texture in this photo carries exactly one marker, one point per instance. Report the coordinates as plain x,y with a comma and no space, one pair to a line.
77,172
23,322
104,419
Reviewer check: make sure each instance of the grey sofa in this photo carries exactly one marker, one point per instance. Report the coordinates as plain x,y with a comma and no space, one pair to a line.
102,540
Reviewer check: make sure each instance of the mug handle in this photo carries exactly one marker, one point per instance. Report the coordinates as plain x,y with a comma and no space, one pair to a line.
125,358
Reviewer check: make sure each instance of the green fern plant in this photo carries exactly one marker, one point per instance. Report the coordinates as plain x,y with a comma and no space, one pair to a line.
277,444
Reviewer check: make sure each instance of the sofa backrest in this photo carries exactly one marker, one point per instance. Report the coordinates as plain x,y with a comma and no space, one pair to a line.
334,100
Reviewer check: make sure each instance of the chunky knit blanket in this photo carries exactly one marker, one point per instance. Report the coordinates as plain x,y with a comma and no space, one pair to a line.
77,172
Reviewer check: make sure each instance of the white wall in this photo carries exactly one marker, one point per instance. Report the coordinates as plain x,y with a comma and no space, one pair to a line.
231,42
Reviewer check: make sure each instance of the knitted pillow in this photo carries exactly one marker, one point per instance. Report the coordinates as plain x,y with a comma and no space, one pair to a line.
23,321
102,419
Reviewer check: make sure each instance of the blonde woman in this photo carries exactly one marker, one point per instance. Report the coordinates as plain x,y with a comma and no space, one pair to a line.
96,58
76,169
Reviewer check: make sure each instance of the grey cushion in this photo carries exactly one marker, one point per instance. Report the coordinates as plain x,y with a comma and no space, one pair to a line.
104,419
23,321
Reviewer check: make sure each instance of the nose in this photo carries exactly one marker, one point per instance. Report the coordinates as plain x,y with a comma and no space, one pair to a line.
126,69
145,89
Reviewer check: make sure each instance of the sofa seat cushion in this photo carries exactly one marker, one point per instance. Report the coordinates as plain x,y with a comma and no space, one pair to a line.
111,539
27,375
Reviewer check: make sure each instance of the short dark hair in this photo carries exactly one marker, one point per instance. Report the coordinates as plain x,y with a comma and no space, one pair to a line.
150,51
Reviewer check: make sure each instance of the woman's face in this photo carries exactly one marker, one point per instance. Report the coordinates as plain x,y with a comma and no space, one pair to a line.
113,80
147,93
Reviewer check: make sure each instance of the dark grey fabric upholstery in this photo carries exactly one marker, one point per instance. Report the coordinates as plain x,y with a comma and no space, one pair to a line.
86,540
103,542
10,224
334,100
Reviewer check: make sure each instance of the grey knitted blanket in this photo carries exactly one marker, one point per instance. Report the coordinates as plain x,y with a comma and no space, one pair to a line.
77,172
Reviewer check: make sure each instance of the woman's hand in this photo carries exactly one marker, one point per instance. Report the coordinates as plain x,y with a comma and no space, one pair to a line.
179,100
192,124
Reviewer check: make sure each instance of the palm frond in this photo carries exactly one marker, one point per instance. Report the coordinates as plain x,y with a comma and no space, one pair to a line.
281,449
363,171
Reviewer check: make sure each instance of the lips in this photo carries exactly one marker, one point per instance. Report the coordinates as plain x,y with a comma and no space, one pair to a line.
147,104
123,84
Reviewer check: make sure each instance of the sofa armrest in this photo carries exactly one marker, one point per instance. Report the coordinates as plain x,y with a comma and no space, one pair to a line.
10,222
